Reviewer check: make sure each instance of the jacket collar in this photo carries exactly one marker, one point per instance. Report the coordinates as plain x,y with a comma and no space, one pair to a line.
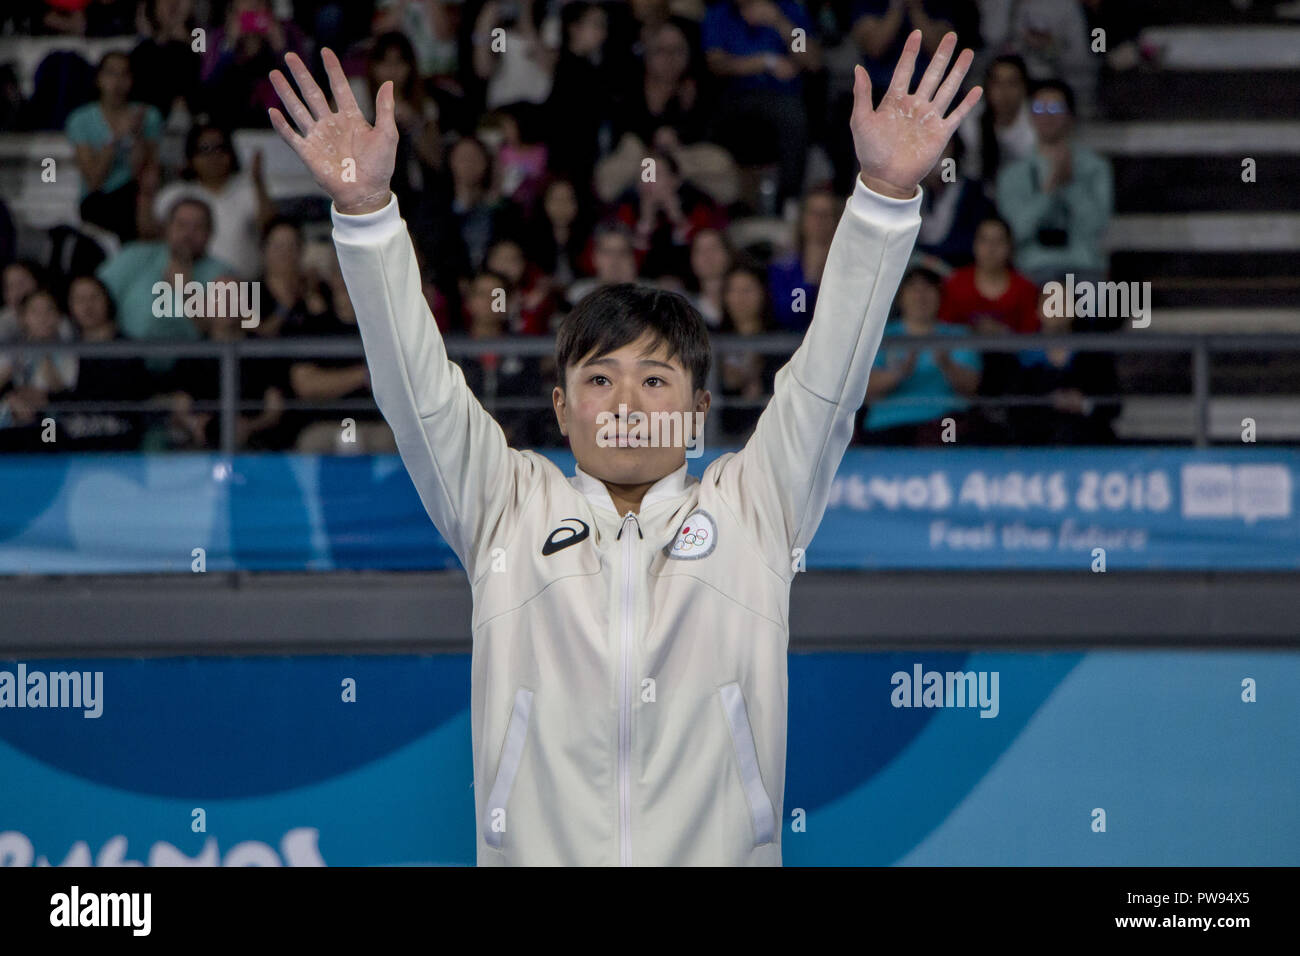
669,486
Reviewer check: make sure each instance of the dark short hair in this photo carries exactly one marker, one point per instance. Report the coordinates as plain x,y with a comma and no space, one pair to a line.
994,217
201,126
192,200
615,315
1052,83
275,222
922,272
89,277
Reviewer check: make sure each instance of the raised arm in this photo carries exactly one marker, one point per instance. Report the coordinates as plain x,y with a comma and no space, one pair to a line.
453,449
783,474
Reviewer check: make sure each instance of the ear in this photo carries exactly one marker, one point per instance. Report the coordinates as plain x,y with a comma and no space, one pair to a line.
703,398
561,407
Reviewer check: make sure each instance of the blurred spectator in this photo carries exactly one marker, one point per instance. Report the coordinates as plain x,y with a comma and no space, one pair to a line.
1059,201
419,139
1052,36
426,24
90,18
613,260
745,376
761,112
632,28
26,379
582,96
664,214
470,212
711,257
911,390
998,130
166,50
330,314
557,232
1122,22
106,380
522,65
880,28
665,92
239,201
12,113
993,299
8,235
530,290
989,295
521,156
1081,387
239,59
132,273
952,205
19,279
800,269
493,376
116,143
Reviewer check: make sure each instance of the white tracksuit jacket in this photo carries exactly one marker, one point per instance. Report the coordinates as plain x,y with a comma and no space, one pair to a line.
628,689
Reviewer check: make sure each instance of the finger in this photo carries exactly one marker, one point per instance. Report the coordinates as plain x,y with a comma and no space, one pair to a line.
347,103
861,91
286,132
902,79
384,108
965,107
953,83
315,98
938,63
291,102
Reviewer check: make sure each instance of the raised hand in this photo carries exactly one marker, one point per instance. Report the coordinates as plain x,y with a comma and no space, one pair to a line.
350,159
900,141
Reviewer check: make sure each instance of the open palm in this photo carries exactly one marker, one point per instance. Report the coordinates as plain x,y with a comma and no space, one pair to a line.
350,159
899,141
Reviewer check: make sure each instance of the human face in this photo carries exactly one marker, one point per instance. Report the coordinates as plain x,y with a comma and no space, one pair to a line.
920,300
468,165
41,318
483,320
392,67
709,258
614,259
991,248
668,54
211,160
561,204
17,282
588,34
819,218
114,80
87,304
508,259
1005,90
188,231
641,378
282,249
1051,127
744,301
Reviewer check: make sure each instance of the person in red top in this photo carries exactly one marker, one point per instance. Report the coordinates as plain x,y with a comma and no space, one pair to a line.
664,216
990,296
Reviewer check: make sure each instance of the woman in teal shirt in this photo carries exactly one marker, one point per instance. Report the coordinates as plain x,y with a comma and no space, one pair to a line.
116,142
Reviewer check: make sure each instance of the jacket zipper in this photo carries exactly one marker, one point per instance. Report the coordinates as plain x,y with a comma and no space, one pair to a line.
624,700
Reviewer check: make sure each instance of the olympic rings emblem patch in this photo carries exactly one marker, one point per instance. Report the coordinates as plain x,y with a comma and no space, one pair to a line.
696,538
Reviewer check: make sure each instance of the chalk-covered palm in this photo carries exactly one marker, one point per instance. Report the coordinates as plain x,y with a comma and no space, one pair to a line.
326,139
899,141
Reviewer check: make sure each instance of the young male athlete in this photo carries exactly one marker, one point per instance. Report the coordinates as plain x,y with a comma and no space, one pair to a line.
630,626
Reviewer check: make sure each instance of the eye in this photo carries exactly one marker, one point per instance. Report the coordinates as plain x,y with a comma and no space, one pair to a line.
654,378
594,377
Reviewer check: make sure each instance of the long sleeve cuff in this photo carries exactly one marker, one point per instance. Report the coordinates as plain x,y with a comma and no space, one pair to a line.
884,209
368,226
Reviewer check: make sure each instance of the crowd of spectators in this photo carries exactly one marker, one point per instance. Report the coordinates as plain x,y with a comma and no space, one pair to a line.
519,175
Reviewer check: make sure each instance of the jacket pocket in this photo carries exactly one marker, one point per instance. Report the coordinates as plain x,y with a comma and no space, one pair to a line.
761,813
512,751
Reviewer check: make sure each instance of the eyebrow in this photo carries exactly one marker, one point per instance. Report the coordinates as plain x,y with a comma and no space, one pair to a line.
609,361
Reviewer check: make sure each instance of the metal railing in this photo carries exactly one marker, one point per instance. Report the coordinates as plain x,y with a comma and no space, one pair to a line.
1199,346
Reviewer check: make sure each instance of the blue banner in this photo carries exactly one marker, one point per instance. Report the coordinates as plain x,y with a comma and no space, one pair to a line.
1058,759
889,508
